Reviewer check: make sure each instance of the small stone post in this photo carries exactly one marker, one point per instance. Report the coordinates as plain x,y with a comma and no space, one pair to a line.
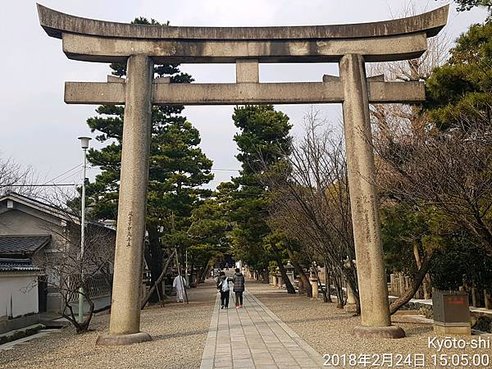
280,281
392,283
474,297
373,291
350,306
314,286
124,327
401,284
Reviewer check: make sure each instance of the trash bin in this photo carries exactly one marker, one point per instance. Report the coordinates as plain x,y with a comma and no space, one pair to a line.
451,312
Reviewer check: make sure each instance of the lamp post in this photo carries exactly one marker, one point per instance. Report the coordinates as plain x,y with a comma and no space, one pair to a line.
84,141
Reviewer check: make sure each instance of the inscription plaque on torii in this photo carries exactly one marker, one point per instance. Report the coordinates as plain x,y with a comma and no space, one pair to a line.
140,46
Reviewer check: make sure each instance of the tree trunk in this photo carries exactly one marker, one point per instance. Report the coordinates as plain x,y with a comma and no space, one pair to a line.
327,282
305,280
264,276
340,296
154,258
203,275
189,272
416,282
83,326
417,249
290,288
427,285
337,281
158,281
300,271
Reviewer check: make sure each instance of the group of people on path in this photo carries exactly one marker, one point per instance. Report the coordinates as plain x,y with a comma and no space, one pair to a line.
223,287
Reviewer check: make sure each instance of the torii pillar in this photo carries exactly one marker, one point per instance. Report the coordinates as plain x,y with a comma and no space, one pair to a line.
124,327
140,46
373,290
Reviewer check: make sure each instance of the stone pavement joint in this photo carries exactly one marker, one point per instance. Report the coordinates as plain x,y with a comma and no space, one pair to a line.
253,337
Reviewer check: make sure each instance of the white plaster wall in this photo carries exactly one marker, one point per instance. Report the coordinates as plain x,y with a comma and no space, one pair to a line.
18,295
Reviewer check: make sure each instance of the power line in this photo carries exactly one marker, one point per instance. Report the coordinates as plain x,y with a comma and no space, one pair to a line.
40,185
224,170
47,184
68,171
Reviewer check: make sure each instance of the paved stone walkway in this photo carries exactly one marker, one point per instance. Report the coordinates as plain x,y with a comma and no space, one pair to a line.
254,337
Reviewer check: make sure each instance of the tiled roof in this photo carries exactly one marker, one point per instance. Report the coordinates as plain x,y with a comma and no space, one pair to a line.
15,246
61,213
17,265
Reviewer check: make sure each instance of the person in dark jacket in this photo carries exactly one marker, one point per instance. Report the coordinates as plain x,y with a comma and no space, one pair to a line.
238,288
223,287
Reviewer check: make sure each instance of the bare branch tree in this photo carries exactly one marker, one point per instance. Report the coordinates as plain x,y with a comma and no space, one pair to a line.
451,171
69,272
312,201
13,177
396,128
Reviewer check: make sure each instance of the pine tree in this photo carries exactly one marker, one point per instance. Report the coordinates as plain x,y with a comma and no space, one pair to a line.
177,169
263,141
460,92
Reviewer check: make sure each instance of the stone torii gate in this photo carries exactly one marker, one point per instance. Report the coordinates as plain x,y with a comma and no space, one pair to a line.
140,46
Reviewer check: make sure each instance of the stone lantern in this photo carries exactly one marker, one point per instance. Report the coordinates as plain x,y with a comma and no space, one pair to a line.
289,269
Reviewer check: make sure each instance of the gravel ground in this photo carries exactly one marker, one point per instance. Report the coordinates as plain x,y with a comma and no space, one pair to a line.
179,332
327,329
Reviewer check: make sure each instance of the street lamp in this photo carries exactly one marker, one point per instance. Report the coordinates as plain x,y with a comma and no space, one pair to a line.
84,141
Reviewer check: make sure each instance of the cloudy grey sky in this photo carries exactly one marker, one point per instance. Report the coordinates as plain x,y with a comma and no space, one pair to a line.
39,130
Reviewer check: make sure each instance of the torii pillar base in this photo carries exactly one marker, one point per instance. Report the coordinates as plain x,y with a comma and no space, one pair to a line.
122,339
391,331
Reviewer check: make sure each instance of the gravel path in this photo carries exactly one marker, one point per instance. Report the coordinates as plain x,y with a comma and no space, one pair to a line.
327,329
179,333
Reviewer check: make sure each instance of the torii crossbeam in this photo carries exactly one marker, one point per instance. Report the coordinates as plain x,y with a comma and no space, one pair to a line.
140,46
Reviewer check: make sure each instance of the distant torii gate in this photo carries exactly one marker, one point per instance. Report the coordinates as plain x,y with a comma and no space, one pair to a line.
140,46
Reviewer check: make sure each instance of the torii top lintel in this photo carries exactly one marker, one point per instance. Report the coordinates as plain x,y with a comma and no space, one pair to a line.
103,41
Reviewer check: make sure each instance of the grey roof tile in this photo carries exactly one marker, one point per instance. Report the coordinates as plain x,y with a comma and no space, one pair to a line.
22,245
17,265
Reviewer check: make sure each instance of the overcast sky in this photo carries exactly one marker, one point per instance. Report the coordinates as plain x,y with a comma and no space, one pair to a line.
39,130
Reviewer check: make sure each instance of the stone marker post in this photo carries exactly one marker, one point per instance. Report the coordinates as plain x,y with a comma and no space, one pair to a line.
373,290
314,287
124,324
350,306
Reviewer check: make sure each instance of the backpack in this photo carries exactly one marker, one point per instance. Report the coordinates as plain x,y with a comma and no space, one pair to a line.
224,286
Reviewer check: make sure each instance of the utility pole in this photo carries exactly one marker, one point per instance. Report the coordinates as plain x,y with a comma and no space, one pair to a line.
85,145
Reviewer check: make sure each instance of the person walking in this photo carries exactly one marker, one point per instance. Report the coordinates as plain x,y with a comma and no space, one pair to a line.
238,288
223,287
179,283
